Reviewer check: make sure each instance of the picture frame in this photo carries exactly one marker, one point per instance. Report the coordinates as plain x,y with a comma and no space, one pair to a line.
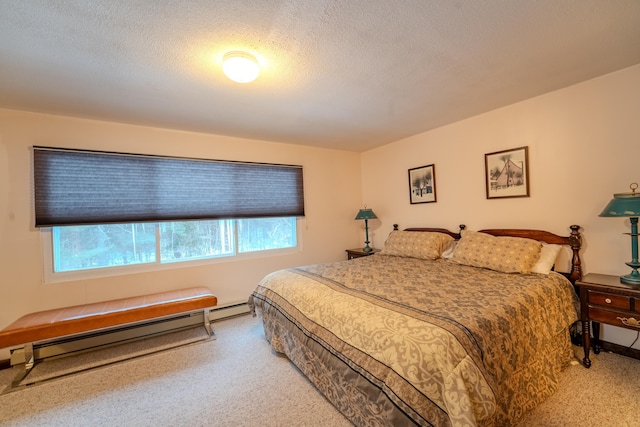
507,173
422,184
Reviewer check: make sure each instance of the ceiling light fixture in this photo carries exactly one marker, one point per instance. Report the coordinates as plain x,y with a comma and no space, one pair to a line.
240,67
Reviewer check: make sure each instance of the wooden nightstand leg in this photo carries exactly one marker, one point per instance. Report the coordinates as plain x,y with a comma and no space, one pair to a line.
586,343
597,345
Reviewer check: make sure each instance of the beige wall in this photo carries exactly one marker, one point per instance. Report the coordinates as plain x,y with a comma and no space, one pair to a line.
584,145
332,198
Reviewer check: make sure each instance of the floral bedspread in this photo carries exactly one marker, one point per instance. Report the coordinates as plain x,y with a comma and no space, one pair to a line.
401,341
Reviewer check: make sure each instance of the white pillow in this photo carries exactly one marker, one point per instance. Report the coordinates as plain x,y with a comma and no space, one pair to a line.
548,255
448,253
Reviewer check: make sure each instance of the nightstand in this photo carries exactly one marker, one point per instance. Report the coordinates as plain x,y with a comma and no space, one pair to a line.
603,299
357,253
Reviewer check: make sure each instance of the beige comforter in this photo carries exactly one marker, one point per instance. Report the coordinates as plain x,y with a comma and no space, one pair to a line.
401,341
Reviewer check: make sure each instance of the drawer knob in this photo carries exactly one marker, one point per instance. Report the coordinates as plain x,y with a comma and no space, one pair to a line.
608,300
630,322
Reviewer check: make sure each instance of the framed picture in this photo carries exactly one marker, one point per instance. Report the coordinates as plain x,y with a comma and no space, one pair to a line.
507,173
422,184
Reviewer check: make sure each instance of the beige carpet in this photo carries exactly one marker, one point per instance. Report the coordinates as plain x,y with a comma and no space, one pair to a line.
237,380
61,366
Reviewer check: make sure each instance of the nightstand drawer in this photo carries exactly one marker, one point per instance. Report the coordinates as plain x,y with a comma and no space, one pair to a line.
614,318
609,300
357,253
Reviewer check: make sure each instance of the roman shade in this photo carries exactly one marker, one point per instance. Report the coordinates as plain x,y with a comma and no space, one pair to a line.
73,187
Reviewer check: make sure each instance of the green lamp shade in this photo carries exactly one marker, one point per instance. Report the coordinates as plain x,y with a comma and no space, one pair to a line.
366,214
628,205
623,204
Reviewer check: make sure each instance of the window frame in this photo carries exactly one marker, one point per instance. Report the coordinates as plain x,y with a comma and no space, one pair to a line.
50,276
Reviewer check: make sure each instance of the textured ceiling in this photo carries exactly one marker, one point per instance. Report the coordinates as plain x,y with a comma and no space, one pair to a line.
346,74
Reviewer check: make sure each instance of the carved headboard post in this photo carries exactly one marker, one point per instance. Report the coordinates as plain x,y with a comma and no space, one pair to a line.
575,241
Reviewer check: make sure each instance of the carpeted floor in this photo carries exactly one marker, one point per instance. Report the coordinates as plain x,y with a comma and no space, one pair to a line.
237,380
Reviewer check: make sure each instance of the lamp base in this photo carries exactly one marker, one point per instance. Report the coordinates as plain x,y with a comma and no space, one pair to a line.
631,279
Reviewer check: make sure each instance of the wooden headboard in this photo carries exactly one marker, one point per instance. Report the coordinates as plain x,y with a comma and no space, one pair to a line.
573,240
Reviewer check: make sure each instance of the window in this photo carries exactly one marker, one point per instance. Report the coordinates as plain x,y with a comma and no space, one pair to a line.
110,212
85,247
265,234
127,247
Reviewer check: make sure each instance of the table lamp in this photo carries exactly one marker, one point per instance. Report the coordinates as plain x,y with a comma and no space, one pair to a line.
367,214
628,205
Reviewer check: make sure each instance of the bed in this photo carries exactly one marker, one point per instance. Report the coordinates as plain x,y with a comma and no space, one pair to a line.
438,329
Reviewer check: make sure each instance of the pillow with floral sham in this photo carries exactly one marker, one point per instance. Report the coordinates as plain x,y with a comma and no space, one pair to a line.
416,244
505,254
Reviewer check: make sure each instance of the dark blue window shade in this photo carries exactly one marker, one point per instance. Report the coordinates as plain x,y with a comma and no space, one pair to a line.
74,187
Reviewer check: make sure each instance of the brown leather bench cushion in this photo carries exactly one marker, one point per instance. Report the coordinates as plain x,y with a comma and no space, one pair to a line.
44,325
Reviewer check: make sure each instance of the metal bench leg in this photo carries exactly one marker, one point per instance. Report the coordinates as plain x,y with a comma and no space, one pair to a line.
29,363
207,324
28,356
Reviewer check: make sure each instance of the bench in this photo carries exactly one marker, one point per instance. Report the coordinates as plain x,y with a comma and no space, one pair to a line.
64,322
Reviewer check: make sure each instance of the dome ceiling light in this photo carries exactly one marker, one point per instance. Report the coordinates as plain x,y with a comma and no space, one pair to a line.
240,67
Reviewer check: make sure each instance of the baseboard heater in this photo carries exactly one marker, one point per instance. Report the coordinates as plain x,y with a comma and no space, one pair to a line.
230,310
102,339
